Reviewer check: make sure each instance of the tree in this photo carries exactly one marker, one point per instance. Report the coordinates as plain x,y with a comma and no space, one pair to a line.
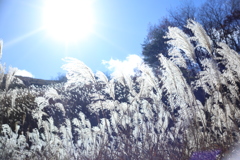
221,20
179,16
153,45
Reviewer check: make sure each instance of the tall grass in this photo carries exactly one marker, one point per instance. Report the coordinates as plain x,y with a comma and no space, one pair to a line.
186,108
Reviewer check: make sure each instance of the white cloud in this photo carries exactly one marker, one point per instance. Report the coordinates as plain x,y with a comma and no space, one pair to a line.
125,67
24,73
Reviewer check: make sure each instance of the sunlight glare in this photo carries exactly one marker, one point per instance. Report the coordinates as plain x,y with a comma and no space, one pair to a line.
68,20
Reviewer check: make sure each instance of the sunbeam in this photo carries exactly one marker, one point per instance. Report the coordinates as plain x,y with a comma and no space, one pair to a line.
22,37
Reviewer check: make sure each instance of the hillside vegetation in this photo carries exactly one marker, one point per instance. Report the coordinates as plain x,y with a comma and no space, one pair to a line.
186,108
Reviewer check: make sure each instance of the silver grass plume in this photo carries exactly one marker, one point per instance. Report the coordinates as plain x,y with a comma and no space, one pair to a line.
175,83
210,77
200,35
78,73
178,92
101,77
10,76
147,80
180,41
52,93
231,73
2,71
231,59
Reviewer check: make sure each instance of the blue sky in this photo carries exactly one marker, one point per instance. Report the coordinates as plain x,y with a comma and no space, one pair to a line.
120,29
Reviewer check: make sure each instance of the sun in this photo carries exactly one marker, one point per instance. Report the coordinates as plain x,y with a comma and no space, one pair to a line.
68,20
